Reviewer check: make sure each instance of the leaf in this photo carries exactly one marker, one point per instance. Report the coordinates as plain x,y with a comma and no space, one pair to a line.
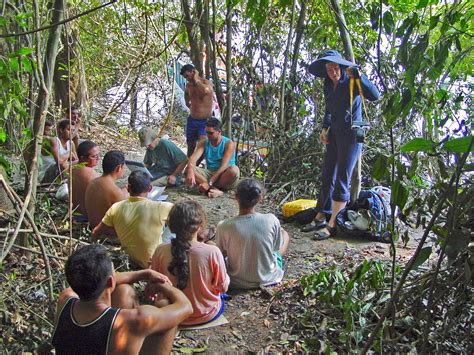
422,4
460,145
24,51
434,21
3,135
380,169
399,194
388,23
422,257
418,145
5,164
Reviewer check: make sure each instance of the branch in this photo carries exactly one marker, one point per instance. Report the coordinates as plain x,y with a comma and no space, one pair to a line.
7,35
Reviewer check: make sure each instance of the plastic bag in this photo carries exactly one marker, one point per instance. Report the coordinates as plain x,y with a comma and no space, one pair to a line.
63,192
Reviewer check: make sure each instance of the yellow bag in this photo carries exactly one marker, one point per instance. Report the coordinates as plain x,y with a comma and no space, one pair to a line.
293,207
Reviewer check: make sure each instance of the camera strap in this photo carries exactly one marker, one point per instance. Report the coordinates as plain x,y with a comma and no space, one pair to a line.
361,93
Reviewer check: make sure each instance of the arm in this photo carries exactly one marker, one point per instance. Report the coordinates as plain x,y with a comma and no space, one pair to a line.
220,280
146,320
229,150
63,297
102,229
132,277
190,179
74,157
323,136
179,169
187,96
371,92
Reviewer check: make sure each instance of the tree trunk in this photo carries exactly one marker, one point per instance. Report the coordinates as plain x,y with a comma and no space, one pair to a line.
285,64
133,107
228,69
194,42
290,111
213,62
349,54
42,104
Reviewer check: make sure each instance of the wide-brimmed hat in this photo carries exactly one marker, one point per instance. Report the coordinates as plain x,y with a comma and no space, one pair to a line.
318,67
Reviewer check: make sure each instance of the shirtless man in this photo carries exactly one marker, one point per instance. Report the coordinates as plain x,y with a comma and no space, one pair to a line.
100,313
83,173
103,192
76,120
219,152
199,98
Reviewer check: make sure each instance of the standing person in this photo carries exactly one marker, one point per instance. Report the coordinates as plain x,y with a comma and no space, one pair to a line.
163,158
342,148
103,191
82,174
76,120
253,243
192,266
100,313
199,98
221,172
137,221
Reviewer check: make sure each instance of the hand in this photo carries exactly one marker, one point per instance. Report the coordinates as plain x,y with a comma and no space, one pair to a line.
156,277
155,291
171,180
353,72
323,136
190,178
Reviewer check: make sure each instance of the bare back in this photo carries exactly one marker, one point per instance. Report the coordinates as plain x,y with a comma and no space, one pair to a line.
100,195
81,177
200,96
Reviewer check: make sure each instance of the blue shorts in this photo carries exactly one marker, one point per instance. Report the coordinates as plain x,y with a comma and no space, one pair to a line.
194,129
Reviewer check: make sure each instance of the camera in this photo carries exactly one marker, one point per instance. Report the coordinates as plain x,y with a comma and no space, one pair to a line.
360,127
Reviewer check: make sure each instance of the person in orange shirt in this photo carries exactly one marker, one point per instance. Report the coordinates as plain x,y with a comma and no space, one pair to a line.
196,268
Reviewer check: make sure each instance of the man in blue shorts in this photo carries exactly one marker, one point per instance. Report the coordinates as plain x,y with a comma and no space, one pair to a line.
199,98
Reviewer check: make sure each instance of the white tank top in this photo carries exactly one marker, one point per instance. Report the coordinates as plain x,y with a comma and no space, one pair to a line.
62,150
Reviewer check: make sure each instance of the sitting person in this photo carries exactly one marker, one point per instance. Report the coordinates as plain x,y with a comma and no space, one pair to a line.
219,152
137,222
47,167
253,242
194,267
60,147
83,173
163,158
99,313
103,192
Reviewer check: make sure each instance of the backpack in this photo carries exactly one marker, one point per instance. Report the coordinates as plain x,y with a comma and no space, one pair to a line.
302,217
369,217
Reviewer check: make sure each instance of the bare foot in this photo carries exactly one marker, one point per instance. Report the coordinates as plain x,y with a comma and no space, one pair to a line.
203,188
214,192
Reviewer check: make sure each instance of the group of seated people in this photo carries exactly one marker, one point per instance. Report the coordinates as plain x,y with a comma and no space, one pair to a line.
187,278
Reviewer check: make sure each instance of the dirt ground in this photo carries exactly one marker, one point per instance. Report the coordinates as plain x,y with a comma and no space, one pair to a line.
253,325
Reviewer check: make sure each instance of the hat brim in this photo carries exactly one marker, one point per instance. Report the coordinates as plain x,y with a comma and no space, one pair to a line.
318,67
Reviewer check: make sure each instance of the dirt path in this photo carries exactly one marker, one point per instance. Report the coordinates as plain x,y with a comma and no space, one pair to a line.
254,325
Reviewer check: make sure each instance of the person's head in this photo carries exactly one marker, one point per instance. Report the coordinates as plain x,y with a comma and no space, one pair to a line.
187,71
48,128
186,218
330,65
113,161
146,136
213,129
138,183
75,114
249,192
64,129
88,152
89,272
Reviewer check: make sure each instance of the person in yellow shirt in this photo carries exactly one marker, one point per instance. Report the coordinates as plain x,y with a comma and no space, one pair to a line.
138,222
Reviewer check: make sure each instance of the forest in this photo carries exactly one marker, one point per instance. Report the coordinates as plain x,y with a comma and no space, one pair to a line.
119,62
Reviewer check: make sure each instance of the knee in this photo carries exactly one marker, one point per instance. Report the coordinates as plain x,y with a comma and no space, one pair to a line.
234,170
124,296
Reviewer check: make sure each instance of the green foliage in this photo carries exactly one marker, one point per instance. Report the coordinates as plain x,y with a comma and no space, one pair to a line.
354,296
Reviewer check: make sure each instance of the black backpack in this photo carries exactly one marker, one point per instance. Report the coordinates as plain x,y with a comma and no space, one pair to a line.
302,217
380,217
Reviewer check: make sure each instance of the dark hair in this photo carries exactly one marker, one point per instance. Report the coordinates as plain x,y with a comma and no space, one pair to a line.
248,192
214,123
138,182
48,123
111,160
84,148
87,271
185,68
62,125
184,220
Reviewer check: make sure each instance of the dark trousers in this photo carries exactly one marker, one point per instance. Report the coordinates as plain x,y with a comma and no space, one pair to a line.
339,161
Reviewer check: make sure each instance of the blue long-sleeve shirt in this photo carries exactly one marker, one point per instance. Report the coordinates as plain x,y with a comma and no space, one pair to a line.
337,115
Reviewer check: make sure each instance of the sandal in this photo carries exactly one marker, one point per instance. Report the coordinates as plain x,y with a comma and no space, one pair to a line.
314,226
322,234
